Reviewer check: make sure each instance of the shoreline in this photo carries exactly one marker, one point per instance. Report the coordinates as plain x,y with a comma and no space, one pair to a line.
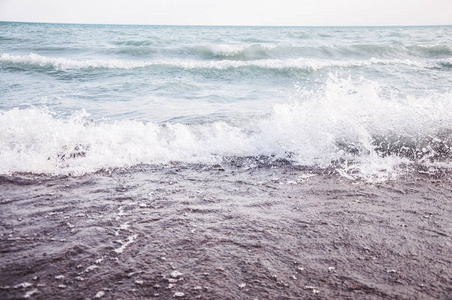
224,232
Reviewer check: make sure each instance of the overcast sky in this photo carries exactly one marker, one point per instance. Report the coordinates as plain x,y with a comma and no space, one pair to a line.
231,12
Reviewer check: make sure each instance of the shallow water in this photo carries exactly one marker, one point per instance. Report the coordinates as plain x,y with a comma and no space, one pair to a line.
227,232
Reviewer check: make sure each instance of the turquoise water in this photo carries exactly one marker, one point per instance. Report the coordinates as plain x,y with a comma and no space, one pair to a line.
80,98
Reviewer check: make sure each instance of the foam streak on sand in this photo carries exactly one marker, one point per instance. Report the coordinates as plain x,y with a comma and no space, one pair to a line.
129,241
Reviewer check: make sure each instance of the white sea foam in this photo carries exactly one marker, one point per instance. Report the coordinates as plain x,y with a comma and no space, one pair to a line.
129,241
340,122
227,49
231,50
35,60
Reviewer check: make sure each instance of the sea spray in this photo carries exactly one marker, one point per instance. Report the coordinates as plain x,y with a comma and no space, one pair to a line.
345,122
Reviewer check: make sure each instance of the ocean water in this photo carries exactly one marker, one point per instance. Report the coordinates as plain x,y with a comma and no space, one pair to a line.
161,162
366,102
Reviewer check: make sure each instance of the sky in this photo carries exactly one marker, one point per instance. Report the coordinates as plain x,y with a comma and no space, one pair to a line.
231,12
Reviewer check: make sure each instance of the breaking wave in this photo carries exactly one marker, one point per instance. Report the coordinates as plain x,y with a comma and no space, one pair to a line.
253,51
346,125
35,61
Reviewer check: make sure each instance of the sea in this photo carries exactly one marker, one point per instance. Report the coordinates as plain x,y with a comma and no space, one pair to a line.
142,162
77,99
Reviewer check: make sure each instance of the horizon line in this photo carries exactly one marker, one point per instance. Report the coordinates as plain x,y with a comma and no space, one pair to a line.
211,25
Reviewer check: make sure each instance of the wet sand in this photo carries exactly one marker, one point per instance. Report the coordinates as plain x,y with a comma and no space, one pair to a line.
224,232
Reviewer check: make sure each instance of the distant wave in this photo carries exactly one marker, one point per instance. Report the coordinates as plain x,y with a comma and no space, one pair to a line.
138,43
208,51
361,51
346,122
437,51
250,51
35,61
232,51
137,51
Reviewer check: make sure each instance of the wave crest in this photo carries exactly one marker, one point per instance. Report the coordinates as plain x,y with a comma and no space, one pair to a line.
35,61
234,51
347,125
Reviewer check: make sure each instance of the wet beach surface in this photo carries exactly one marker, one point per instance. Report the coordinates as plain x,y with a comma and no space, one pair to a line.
224,232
